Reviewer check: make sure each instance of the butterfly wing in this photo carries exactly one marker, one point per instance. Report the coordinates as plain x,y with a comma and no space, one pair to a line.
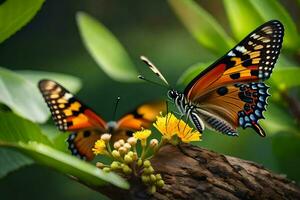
81,143
70,114
142,117
252,60
228,107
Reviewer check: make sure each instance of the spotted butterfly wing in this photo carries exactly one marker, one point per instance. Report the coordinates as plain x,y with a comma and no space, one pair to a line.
82,142
231,106
142,117
251,60
230,92
70,114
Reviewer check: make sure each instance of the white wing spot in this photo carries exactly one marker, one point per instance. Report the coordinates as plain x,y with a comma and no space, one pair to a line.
241,49
67,96
231,53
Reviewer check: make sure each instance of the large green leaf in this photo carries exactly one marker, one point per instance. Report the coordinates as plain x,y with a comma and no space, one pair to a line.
11,161
106,49
242,16
72,83
272,9
57,137
24,136
207,31
20,92
21,96
14,14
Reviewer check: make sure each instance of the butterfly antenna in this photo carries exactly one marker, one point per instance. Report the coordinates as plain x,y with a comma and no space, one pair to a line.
116,107
148,80
154,69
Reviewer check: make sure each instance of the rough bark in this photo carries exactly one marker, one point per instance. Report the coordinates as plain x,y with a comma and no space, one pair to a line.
191,172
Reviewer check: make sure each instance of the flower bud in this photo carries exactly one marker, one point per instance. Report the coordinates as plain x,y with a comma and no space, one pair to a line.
134,156
153,143
100,165
152,189
114,165
127,170
106,137
122,150
127,146
117,145
146,171
140,162
130,153
152,178
158,177
145,179
128,159
147,163
122,142
160,183
151,170
115,154
106,169
132,141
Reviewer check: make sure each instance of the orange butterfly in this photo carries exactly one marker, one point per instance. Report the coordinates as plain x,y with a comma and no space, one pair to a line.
70,114
231,93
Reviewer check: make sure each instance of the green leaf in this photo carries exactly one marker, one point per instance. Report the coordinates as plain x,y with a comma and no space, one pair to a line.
14,14
242,16
206,30
14,129
104,47
72,83
25,136
286,77
272,9
20,93
57,138
22,96
11,161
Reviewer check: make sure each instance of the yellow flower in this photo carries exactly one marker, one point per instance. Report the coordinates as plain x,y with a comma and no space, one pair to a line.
187,134
167,125
100,147
142,135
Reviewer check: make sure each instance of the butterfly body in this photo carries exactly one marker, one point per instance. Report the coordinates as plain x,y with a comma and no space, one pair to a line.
230,93
70,114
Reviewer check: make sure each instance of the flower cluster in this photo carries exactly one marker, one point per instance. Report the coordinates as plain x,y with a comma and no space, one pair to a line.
131,163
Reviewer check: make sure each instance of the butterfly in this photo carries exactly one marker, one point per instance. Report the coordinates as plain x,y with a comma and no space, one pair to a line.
230,93
70,114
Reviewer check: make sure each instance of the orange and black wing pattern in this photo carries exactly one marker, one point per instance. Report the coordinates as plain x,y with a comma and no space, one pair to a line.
231,106
252,60
142,117
68,113
81,143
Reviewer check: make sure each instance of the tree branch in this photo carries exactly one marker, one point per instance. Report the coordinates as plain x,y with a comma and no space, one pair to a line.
191,172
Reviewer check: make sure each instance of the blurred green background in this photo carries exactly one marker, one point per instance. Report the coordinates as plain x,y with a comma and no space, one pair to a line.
51,42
